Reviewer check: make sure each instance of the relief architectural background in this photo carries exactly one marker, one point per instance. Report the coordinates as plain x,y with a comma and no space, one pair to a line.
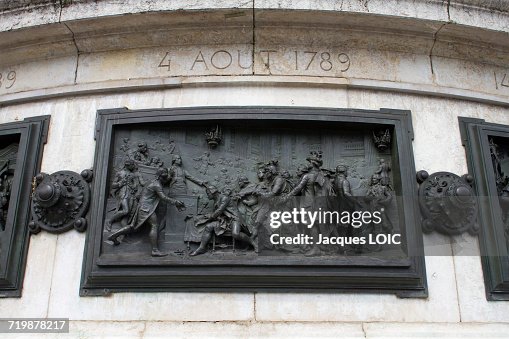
247,170
118,252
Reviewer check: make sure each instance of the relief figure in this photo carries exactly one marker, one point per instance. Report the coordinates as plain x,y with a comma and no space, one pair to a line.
380,197
246,202
314,188
241,213
178,185
140,154
270,191
224,220
126,187
343,189
203,163
383,172
5,191
151,195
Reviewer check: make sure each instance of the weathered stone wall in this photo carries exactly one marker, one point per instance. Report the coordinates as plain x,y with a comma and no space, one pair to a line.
439,59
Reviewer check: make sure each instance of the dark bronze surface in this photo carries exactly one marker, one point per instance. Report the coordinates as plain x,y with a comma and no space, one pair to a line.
448,203
487,149
182,200
60,201
21,146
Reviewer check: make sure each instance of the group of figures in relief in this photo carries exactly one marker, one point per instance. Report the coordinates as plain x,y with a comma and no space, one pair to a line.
501,180
7,166
241,211
5,193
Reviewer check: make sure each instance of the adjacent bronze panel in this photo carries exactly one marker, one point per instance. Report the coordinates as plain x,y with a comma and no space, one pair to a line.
487,149
184,200
21,146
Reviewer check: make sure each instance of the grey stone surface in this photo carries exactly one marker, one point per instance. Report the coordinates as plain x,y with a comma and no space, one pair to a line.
460,330
374,307
432,118
402,46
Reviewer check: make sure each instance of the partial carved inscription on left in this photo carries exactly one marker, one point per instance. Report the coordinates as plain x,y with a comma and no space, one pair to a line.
7,79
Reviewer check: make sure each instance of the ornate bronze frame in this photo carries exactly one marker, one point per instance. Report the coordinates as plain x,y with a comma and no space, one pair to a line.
405,277
32,135
493,241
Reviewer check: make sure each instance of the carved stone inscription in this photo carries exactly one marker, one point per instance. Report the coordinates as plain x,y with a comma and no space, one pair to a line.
7,79
324,62
501,80
209,191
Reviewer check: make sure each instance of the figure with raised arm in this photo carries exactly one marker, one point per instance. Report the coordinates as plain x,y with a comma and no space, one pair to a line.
151,195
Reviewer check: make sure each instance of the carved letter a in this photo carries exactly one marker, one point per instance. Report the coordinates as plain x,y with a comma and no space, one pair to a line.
200,58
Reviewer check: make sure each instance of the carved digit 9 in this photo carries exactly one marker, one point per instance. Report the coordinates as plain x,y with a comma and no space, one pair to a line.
11,76
345,61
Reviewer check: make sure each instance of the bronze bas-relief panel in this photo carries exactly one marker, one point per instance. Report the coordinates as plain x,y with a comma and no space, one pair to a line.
184,200
21,146
487,149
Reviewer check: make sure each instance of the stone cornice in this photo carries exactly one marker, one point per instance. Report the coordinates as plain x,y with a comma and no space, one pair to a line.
83,43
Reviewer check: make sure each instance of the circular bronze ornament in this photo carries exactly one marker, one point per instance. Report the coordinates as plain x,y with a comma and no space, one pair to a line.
448,203
60,202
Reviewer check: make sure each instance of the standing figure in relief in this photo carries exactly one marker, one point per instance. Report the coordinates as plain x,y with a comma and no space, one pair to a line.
343,189
5,193
246,202
504,199
288,178
297,203
269,191
500,178
383,171
314,188
140,155
151,195
179,176
126,187
314,182
380,198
